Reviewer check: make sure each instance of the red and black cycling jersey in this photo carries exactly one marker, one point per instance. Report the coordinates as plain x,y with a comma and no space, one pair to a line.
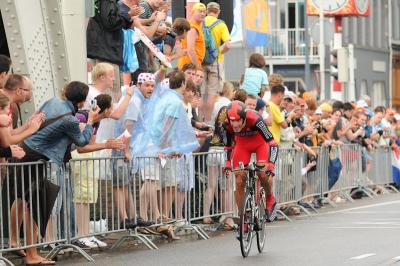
254,125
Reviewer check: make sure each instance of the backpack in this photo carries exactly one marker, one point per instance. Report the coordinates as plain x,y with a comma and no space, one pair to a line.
211,48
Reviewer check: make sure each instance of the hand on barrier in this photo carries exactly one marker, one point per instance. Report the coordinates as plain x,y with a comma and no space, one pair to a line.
128,156
17,152
115,144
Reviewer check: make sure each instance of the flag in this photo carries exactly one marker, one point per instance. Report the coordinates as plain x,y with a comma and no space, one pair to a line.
255,15
396,166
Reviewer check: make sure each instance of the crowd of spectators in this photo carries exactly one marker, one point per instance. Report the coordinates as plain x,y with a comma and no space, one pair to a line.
160,111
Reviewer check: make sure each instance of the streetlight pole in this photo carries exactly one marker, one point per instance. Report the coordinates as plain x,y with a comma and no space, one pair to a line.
321,51
307,52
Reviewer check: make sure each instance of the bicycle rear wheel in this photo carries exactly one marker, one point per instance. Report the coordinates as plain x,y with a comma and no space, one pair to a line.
262,232
246,225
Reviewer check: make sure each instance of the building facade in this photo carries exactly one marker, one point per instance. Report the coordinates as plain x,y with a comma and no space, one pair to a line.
376,42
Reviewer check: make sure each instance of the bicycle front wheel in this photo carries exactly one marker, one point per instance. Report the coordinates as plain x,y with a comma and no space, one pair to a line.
262,230
246,225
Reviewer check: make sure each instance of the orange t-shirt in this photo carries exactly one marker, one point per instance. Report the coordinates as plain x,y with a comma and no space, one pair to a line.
199,47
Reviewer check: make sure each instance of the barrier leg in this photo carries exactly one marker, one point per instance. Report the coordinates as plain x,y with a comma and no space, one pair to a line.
369,190
330,202
200,232
284,216
304,210
4,261
393,188
142,238
57,249
347,196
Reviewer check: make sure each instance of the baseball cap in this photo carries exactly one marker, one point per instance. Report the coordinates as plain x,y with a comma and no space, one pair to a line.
289,95
260,104
213,5
198,6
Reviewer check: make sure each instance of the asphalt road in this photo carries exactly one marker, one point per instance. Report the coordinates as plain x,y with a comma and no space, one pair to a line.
366,232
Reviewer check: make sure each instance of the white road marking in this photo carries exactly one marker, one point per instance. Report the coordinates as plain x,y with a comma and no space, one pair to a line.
377,223
396,258
363,256
366,207
363,227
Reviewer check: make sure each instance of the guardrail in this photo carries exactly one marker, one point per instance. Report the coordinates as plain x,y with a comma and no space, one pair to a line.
93,196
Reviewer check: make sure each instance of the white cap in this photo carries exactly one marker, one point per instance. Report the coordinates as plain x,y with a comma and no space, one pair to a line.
397,117
318,111
289,94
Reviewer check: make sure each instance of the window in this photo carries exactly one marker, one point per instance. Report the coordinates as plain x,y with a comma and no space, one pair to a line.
363,88
378,93
294,84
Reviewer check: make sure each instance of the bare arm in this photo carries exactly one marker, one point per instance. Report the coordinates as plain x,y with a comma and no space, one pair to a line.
226,47
191,39
119,111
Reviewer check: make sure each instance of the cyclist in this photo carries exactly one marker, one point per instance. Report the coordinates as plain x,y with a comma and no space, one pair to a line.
246,133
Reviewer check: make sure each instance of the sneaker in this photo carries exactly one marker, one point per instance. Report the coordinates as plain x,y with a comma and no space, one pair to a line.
140,222
99,243
317,203
272,207
128,224
304,204
87,242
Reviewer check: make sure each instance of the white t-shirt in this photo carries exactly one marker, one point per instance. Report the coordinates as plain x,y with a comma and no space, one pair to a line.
267,96
222,101
93,93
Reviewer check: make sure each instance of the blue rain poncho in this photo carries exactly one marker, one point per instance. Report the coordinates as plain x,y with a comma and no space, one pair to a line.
166,127
131,62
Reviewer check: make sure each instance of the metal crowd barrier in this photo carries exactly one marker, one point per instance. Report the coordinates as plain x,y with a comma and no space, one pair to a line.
379,169
212,193
100,196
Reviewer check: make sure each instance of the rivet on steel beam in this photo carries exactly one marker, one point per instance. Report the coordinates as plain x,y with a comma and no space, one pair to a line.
55,9
15,54
52,22
65,78
7,9
18,69
59,67
12,16
21,62
9,24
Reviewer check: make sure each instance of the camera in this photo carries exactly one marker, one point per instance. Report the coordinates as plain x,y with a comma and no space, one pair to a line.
93,104
171,33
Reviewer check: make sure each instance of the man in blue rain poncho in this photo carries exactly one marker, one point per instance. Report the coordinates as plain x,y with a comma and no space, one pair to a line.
130,126
168,133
